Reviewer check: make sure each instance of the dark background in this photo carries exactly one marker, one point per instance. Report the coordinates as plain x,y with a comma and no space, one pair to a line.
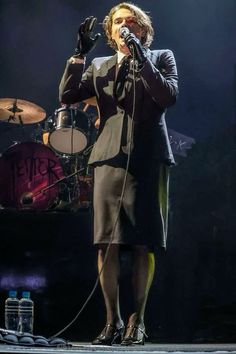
194,292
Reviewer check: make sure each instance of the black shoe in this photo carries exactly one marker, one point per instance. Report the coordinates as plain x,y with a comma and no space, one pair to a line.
135,335
110,335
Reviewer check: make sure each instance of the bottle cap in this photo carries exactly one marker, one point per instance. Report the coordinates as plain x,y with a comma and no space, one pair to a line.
26,294
12,293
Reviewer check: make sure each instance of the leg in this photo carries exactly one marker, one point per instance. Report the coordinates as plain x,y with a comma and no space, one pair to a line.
109,268
143,272
109,280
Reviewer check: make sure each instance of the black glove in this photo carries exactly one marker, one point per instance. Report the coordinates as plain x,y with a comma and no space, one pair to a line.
85,40
136,49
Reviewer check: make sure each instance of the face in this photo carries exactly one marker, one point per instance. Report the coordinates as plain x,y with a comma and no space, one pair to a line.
124,18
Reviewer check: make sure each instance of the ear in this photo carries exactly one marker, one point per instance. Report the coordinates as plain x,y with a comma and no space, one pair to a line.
143,35
112,37
143,32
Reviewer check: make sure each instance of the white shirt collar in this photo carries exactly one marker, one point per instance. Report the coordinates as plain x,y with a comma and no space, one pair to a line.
120,56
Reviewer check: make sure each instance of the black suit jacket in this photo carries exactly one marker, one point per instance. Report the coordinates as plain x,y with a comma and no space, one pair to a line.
155,89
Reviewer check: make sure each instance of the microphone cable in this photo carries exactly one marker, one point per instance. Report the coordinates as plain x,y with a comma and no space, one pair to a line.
130,137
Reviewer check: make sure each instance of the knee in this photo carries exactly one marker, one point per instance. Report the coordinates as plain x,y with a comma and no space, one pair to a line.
113,250
141,250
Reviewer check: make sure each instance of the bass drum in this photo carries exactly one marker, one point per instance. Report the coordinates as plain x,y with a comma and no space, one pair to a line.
70,132
26,169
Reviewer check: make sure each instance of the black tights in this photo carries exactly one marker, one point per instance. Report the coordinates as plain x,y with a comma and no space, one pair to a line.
142,275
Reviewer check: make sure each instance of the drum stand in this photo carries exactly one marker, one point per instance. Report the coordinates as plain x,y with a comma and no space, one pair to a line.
70,193
77,192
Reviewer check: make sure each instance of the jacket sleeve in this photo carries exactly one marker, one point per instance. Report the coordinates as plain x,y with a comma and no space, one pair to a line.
161,81
76,85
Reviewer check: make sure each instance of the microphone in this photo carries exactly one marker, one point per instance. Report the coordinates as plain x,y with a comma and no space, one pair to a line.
135,47
124,32
27,198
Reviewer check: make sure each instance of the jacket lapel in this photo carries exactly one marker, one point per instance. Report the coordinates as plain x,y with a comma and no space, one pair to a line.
106,75
108,68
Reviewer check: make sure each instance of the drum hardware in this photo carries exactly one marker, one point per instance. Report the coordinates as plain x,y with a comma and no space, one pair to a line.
71,165
77,192
88,150
79,189
28,197
36,135
17,111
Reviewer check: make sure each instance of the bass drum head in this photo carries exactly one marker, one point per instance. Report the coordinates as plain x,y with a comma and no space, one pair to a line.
26,169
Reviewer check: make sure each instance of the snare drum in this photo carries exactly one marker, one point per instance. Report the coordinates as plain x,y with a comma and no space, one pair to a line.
26,169
70,132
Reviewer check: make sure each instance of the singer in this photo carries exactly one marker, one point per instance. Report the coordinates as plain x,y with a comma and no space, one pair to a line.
131,157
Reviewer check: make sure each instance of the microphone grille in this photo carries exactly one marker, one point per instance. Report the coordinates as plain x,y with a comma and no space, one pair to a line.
124,31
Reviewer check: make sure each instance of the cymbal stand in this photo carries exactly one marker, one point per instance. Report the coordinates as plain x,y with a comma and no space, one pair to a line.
14,109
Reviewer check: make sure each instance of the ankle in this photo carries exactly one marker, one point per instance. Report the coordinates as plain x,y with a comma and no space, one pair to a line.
136,320
116,322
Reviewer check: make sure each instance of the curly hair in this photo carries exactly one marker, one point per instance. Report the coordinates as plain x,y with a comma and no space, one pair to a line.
143,20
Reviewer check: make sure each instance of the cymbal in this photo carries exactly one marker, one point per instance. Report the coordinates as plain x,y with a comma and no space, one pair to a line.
13,110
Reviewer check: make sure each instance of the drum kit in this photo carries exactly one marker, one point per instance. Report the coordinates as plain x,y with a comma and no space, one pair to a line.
50,174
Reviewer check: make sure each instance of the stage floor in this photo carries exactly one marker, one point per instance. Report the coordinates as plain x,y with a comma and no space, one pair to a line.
86,348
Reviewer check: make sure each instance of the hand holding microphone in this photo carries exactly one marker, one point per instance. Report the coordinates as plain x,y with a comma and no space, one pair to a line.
134,45
86,42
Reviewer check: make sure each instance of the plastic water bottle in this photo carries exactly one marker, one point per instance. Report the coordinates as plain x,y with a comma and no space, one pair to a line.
26,313
11,311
